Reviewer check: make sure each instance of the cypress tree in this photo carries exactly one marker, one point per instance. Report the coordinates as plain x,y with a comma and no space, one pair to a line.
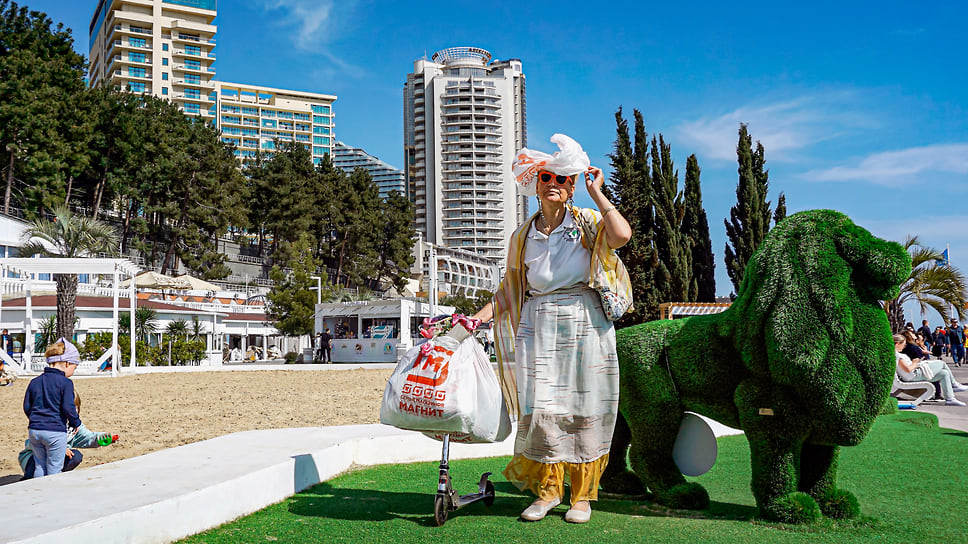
749,218
669,209
780,213
695,228
631,183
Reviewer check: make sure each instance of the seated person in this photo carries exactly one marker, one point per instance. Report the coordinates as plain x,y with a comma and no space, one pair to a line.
928,371
917,354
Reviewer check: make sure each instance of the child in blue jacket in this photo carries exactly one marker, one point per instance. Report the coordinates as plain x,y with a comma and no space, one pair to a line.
80,437
48,403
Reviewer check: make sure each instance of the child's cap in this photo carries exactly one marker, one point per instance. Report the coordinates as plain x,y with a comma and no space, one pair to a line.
70,355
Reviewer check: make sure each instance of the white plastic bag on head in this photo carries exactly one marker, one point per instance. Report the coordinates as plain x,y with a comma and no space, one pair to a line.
569,160
446,387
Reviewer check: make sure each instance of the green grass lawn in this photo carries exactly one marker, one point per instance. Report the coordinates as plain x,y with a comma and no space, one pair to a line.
908,475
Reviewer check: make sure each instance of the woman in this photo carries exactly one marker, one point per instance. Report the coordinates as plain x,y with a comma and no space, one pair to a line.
917,353
553,326
927,371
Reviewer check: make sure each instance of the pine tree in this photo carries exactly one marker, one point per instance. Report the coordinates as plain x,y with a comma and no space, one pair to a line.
749,218
397,237
291,303
695,228
40,74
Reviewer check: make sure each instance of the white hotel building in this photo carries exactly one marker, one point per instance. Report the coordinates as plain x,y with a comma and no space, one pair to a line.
166,48
464,118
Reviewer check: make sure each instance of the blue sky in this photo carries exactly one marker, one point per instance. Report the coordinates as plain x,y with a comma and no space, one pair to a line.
861,106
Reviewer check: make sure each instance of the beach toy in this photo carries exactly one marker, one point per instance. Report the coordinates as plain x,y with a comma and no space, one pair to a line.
107,439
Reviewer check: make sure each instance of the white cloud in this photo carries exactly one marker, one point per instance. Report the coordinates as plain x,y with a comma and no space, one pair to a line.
783,127
895,168
311,20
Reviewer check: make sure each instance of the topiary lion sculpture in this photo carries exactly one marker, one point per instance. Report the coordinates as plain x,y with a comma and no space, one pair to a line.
801,362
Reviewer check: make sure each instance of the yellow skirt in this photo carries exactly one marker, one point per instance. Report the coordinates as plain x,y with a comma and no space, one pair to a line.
547,480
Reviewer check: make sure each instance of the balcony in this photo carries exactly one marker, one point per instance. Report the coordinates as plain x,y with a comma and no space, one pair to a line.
201,84
124,44
125,75
191,97
192,69
187,53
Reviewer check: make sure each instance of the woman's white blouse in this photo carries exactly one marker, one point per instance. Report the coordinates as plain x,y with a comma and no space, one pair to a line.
558,260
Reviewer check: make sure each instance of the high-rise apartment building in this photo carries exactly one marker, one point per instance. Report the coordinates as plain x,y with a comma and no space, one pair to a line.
464,118
386,177
166,48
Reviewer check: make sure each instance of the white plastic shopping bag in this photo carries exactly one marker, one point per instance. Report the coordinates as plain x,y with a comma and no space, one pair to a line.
446,386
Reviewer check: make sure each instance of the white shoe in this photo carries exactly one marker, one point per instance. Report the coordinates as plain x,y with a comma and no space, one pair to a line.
537,512
573,515
958,387
954,402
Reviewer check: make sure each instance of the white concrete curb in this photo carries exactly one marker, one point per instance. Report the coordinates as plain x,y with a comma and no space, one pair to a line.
171,494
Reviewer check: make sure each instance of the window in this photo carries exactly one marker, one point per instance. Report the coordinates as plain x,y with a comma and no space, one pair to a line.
320,109
136,72
193,93
319,151
284,115
193,50
320,140
233,141
193,78
164,62
301,116
164,76
320,120
164,47
137,87
230,109
268,144
193,64
136,57
192,108
250,111
137,42
268,113
268,123
164,91
320,130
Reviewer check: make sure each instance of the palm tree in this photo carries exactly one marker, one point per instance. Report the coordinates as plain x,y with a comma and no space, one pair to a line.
70,236
177,328
931,285
145,323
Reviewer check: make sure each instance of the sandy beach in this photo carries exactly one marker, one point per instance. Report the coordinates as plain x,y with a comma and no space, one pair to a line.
156,411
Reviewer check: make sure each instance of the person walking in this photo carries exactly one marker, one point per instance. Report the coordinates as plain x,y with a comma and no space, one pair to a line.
956,340
925,331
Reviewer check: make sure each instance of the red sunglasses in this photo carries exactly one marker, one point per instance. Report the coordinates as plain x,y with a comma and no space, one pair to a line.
547,177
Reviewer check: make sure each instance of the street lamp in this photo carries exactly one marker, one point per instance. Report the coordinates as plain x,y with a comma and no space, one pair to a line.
318,288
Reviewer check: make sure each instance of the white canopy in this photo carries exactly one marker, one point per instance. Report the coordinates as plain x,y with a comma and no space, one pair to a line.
28,267
197,283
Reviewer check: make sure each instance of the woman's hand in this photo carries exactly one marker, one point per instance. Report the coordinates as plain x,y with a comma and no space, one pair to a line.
594,179
617,229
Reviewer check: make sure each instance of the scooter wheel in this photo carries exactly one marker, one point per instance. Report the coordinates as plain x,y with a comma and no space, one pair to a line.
440,510
488,493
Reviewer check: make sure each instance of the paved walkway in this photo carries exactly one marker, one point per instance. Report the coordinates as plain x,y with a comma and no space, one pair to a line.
951,417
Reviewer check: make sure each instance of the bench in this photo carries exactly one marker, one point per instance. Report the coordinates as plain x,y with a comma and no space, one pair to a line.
908,388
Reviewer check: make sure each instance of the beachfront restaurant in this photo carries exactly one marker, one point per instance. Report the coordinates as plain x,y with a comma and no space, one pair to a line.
374,331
